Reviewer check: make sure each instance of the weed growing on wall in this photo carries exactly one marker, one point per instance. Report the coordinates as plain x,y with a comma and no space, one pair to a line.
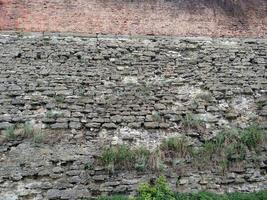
253,136
10,133
25,132
176,146
122,157
189,121
38,138
228,147
28,130
88,166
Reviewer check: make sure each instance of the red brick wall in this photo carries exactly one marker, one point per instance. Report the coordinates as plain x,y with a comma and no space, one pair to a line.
158,17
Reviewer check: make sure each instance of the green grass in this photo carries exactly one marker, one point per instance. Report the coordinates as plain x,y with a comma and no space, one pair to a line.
253,136
117,197
233,144
122,157
189,121
262,195
28,129
38,138
227,147
177,145
24,132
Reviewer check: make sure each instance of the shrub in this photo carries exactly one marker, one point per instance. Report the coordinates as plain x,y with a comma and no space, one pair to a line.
159,191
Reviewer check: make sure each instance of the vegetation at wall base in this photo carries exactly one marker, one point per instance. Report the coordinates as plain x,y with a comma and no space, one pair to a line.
161,191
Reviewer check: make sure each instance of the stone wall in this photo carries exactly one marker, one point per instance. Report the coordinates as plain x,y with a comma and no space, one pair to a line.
85,92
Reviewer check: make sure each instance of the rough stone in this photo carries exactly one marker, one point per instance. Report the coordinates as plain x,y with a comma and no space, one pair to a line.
135,91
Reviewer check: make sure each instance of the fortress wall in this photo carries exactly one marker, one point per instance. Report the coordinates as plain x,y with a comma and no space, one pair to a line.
86,92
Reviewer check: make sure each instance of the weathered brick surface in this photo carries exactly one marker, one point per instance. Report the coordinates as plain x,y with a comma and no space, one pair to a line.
159,17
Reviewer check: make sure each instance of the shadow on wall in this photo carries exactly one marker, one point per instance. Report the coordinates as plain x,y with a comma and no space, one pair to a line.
156,17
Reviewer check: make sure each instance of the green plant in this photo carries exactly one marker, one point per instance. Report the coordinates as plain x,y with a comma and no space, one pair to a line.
156,116
10,133
177,145
123,157
88,166
28,129
159,191
210,148
108,156
117,197
59,98
141,158
150,193
260,104
262,195
214,146
252,136
38,138
190,121
235,152
50,114
224,164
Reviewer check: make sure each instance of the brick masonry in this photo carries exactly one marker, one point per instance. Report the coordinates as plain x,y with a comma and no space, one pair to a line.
149,17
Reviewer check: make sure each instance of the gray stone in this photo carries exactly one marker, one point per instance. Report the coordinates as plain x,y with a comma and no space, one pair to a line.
151,125
75,125
109,125
4,125
54,194
8,196
59,126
